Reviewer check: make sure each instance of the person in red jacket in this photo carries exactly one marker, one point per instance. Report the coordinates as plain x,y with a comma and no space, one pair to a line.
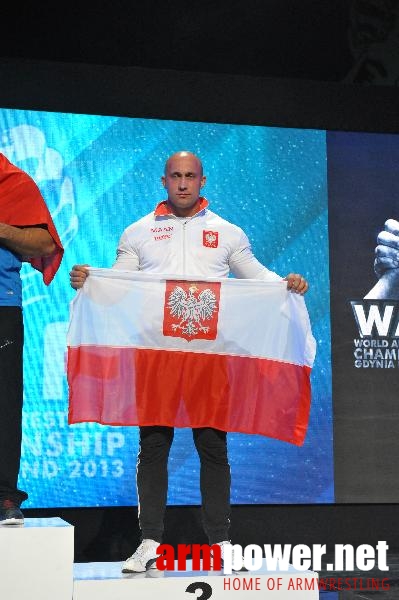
27,233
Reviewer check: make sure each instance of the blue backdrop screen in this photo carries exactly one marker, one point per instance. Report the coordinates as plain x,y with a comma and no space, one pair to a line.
98,174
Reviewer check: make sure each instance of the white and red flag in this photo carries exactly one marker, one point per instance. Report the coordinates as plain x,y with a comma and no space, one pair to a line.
233,354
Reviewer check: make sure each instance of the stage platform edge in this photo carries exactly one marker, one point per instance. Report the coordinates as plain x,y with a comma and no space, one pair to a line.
105,581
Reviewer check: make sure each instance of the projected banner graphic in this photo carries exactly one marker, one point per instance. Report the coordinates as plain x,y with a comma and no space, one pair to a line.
363,196
99,174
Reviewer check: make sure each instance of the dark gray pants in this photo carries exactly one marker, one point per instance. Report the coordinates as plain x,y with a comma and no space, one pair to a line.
11,397
152,480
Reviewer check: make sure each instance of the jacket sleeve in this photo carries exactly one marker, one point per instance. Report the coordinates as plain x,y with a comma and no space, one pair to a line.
127,258
244,265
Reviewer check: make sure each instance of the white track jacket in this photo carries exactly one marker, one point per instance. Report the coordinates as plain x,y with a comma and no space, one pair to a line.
204,245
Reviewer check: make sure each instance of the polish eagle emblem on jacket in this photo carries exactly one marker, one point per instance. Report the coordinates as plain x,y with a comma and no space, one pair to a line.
191,310
210,239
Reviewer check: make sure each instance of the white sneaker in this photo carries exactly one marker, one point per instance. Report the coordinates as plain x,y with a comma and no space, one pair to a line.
233,549
144,558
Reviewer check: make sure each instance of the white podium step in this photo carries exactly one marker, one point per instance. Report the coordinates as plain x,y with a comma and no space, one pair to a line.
36,560
37,564
104,581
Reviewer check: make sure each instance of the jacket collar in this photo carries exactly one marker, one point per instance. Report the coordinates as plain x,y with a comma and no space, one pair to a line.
163,209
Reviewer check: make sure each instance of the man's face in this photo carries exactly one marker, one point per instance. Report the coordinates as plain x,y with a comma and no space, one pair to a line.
183,181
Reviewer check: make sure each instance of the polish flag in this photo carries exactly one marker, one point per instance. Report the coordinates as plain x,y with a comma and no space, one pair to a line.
233,354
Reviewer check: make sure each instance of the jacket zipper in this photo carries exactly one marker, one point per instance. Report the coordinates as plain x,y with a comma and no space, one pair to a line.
184,247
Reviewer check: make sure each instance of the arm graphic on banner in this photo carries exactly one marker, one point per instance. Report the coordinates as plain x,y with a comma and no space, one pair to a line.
386,263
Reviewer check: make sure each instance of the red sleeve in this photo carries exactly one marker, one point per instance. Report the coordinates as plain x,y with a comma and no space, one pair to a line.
21,204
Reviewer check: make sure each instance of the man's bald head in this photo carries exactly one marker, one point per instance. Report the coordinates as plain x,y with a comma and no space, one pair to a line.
184,154
183,180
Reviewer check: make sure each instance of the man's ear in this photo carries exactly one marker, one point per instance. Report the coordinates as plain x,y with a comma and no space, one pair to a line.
163,180
203,181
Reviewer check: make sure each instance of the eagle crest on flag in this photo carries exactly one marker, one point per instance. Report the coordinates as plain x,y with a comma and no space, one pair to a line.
192,311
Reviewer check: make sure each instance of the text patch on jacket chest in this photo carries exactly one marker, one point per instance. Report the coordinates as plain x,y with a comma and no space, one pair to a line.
160,233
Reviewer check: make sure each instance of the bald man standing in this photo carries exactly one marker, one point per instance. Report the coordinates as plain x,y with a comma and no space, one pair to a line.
184,248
